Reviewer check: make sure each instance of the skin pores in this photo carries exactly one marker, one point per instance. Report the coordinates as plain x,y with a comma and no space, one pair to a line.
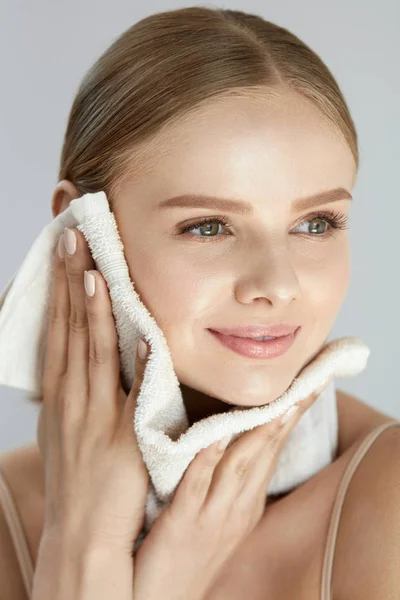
269,267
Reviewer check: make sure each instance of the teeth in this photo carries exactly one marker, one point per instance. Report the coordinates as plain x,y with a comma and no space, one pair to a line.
263,339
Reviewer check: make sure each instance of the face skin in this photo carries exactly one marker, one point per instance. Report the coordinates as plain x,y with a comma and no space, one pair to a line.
274,266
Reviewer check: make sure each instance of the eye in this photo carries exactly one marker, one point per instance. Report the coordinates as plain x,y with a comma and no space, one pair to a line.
209,222
319,226
334,221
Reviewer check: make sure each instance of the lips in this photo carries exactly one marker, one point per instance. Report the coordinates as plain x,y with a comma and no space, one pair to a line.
251,331
253,349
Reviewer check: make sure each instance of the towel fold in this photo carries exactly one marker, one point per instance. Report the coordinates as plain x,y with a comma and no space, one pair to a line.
167,442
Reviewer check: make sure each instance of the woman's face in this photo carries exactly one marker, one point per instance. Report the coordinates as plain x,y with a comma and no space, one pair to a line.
273,265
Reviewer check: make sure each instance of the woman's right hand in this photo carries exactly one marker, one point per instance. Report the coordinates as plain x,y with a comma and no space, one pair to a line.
96,482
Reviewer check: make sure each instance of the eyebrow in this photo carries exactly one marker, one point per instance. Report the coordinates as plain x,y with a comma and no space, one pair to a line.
246,208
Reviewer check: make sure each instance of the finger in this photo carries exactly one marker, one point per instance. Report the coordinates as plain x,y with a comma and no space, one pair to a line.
56,359
104,363
259,476
128,416
210,483
233,470
250,462
77,260
201,487
193,488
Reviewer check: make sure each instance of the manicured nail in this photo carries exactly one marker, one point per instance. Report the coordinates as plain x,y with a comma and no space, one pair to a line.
142,349
222,444
90,283
70,240
321,388
61,246
286,416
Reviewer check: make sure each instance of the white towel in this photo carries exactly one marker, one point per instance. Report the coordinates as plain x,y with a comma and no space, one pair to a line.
166,441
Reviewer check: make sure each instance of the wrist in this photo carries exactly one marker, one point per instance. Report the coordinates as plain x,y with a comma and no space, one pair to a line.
68,568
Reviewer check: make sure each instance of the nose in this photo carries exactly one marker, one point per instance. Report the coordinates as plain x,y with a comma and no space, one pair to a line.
270,277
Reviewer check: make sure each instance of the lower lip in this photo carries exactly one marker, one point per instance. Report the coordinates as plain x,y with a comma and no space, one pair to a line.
252,349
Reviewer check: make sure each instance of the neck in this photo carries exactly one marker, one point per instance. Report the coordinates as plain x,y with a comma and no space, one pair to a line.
199,406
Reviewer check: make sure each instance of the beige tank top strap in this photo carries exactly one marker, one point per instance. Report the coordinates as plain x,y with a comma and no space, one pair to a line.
17,535
326,582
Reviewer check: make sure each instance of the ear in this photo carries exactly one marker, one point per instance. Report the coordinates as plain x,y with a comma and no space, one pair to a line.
64,192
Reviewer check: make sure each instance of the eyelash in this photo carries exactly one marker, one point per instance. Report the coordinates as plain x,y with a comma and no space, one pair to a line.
336,221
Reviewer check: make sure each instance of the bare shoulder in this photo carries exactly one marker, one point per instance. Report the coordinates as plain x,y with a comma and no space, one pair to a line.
355,419
12,586
22,468
367,553
21,471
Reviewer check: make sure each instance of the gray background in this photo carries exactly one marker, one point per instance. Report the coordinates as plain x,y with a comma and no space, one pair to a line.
45,49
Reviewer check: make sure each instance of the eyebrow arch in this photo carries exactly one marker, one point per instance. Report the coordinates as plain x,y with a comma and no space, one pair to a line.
246,208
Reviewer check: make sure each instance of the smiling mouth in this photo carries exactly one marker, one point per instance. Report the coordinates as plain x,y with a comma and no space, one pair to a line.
250,348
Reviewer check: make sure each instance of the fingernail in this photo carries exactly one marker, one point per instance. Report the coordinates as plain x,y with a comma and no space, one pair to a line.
322,386
222,444
61,246
142,349
70,240
90,283
286,416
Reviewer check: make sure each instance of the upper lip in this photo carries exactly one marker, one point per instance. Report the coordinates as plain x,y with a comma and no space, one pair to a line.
251,331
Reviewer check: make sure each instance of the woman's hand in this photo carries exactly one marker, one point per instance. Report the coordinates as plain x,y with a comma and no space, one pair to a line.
96,480
218,502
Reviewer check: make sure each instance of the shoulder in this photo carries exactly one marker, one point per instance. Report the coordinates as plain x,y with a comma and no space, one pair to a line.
12,586
355,419
23,471
367,553
19,470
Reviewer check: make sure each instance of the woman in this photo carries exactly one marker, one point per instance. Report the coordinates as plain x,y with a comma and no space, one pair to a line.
213,104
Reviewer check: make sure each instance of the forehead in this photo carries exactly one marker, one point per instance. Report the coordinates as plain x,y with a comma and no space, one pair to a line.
279,144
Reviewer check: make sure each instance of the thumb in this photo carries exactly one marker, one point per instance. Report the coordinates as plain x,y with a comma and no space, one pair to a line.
142,353
142,350
295,412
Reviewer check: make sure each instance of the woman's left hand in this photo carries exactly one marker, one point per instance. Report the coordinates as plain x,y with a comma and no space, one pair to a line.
219,501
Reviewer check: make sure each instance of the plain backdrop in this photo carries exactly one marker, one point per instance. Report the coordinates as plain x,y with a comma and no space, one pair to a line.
45,49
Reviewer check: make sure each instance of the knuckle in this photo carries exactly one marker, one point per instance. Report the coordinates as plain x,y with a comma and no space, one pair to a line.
270,430
51,377
100,352
59,274
58,313
271,436
65,406
194,485
48,385
64,403
75,273
240,467
78,321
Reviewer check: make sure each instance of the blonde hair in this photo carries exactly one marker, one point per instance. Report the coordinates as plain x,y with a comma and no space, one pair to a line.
168,64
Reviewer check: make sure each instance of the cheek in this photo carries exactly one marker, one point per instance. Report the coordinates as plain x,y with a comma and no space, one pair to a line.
172,291
327,282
